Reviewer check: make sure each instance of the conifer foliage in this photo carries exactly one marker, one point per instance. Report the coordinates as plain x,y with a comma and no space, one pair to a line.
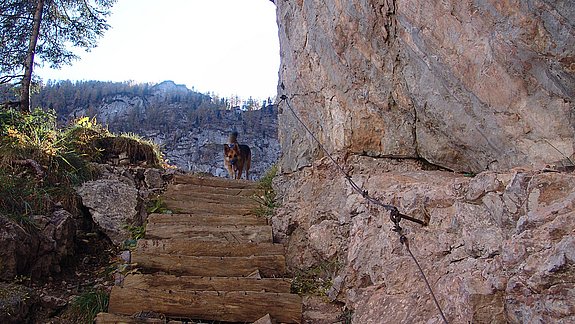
44,30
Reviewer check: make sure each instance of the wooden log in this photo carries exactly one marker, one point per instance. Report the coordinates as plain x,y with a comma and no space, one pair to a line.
237,192
208,191
215,182
107,318
203,219
195,207
233,306
211,198
223,233
208,266
191,283
199,248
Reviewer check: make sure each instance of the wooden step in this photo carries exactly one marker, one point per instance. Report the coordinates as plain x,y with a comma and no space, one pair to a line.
233,306
206,261
233,192
143,318
211,198
220,233
206,219
214,182
195,207
140,318
210,266
190,283
197,248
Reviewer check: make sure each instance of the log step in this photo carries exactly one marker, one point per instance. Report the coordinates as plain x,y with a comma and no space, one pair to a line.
210,266
233,306
243,202
203,219
191,283
237,192
222,233
198,248
201,191
143,318
214,182
195,207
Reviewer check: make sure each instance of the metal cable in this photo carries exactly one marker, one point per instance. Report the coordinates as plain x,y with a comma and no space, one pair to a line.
406,244
394,215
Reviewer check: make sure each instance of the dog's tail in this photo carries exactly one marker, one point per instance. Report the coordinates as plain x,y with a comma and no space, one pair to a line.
233,137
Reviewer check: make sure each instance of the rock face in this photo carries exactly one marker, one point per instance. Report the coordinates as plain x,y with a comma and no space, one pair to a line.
484,87
470,86
499,247
36,252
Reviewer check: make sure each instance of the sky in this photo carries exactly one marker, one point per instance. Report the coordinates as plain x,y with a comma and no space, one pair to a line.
228,47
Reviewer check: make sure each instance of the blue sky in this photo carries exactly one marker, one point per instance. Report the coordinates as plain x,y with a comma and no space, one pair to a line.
229,47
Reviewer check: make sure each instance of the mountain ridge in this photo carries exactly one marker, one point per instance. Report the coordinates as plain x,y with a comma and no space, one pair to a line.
189,126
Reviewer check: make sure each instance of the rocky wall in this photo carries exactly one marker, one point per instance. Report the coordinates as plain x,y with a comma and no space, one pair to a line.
499,247
466,85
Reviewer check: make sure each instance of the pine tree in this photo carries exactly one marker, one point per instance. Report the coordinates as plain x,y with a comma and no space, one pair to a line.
32,29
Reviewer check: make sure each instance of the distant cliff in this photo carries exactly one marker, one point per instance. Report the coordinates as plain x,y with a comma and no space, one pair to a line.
190,127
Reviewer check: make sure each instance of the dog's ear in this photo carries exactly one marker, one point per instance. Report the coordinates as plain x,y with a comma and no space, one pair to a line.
226,148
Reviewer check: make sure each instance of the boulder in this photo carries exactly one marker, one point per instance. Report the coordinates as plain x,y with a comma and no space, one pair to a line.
112,205
36,250
18,249
56,241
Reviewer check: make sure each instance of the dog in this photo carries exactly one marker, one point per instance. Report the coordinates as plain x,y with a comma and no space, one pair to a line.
237,157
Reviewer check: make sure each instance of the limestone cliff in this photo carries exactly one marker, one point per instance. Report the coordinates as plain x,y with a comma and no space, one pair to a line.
190,127
484,87
467,85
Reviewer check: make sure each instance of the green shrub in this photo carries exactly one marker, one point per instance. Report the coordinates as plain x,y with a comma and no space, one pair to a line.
41,163
316,280
157,206
267,200
86,306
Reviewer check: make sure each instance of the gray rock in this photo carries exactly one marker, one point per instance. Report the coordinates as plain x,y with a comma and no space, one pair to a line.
112,205
36,251
153,178
56,241
18,249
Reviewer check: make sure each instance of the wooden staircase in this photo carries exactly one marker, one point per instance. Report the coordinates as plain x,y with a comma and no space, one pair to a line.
211,260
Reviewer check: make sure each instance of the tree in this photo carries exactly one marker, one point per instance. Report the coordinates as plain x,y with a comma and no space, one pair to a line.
45,29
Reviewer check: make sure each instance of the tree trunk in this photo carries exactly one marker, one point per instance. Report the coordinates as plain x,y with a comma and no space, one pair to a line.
29,64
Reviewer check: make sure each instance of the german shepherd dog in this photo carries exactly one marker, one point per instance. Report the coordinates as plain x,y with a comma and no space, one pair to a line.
237,157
